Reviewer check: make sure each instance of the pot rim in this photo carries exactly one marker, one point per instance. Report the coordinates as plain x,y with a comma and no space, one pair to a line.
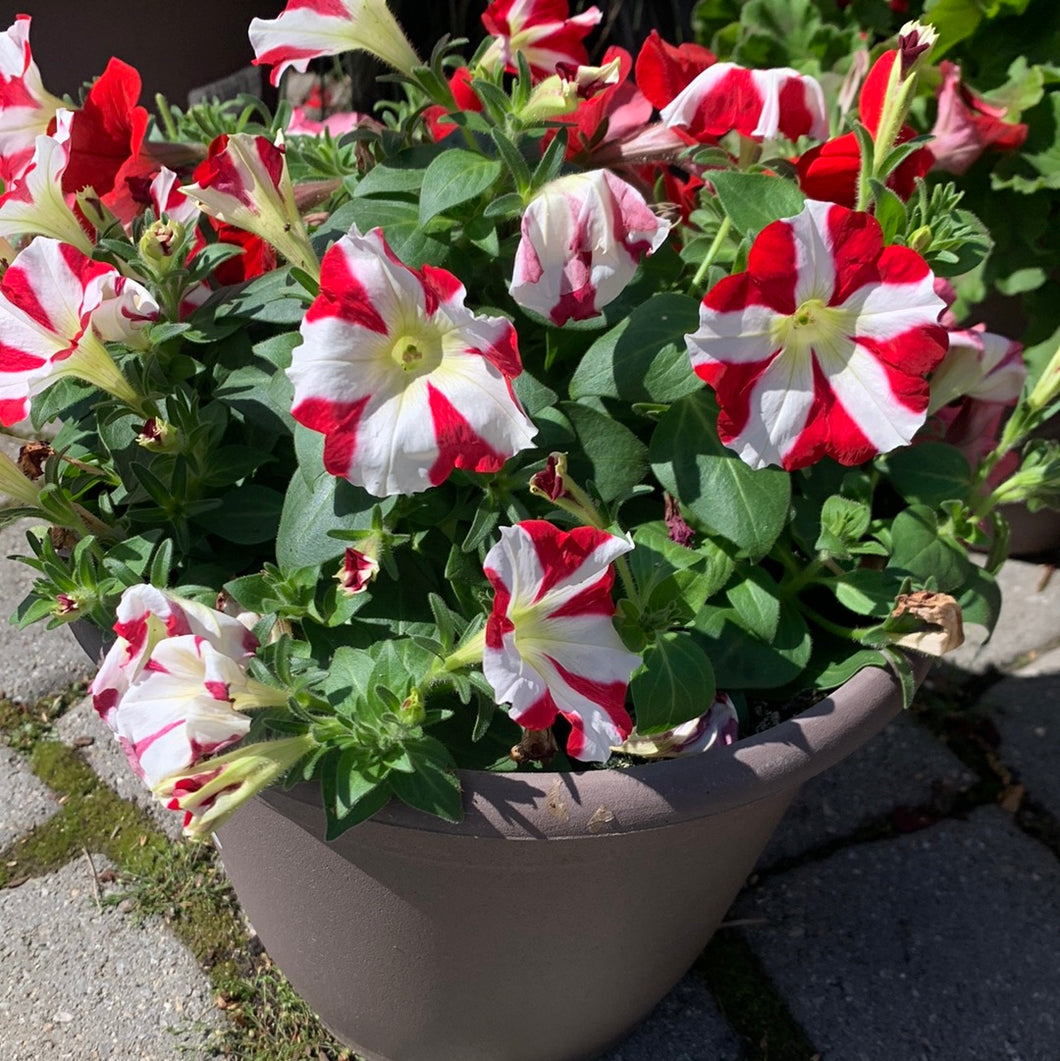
601,802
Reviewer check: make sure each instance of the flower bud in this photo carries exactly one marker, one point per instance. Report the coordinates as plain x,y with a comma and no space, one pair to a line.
158,436
358,569
159,243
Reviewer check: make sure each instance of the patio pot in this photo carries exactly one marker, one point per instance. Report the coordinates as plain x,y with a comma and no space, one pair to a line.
549,921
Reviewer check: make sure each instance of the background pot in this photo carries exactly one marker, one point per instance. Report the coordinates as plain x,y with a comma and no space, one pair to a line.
549,921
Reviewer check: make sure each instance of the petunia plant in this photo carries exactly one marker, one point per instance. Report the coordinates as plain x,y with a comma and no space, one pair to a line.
576,408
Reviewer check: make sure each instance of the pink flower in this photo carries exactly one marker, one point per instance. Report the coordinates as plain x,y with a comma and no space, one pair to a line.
541,30
145,617
36,205
337,123
582,238
761,104
26,109
50,299
244,182
550,644
403,380
980,365
309,29
967,124
822,346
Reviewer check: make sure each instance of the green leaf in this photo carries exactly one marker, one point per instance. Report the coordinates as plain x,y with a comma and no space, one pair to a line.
402,172
748,507
754,200
756,600
400,220
868,592
248,515
310,510
675,685
433,787
954,20
836,673
920,551
743,661
929,473
618,460
643,358
455,177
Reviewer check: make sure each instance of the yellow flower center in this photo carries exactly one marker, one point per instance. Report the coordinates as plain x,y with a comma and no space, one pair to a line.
417,354
813,326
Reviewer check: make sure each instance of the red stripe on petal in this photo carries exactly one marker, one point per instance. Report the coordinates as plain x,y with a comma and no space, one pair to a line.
284,54
539,715
796,117
560,553
458,444
343,295
439,287
220,173
13,360
12,410
829,431
271,158
219,691
595,599
327,8
610,696
338,423
498,624
772,263
139,747
856,240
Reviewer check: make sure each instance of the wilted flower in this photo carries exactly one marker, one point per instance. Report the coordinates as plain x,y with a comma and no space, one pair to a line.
717,727
582,238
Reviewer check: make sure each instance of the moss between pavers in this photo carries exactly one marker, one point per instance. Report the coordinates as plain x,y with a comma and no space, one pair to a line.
180,882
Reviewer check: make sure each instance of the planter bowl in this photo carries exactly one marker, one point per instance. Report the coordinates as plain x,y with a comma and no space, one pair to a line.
549,921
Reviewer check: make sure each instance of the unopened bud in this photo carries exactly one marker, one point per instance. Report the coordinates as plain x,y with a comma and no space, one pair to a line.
921,239
412,710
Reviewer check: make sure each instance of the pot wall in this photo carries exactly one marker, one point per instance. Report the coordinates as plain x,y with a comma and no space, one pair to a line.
550,920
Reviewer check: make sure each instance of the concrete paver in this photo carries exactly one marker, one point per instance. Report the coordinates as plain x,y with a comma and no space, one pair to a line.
1026,710
903,765
37,662
935,946
1030,619
84,984
685,1026
32,803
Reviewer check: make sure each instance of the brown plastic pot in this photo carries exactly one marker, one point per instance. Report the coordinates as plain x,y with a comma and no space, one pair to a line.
549,921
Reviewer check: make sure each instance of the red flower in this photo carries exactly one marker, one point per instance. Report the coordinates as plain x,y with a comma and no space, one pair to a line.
466,100
829,172
106,132
663,71
258,256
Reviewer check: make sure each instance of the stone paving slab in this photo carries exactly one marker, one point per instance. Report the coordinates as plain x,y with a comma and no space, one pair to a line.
84,984
685,1026
1030,619
80,725
902,765
1026,710
36,661
27,802
936,946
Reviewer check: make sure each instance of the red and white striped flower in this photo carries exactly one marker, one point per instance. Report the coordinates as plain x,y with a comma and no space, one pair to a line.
583,236
36,205
550,643
541,30
822,347
403,380
145,617
357,571
244,182
188,703
26,108
50,297
309,29
761,104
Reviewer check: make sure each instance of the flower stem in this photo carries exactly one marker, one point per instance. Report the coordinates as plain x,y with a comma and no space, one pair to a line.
712,253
